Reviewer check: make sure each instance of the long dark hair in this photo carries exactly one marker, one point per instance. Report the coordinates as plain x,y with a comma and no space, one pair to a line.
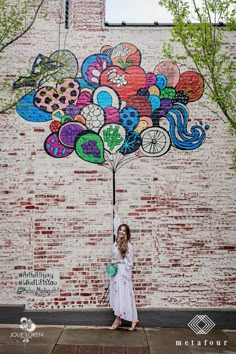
122,244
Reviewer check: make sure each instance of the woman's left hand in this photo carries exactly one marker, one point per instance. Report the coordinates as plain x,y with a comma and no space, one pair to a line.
115,261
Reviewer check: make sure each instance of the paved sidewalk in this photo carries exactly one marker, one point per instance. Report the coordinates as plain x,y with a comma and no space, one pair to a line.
100,340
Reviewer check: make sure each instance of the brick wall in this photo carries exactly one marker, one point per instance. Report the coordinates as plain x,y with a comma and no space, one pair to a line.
56,214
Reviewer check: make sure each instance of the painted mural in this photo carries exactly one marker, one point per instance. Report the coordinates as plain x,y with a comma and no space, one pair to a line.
114,111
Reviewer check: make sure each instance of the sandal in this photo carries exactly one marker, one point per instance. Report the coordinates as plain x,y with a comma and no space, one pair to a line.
134,325
116,324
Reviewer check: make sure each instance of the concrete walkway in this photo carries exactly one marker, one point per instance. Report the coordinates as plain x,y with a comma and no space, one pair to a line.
100,340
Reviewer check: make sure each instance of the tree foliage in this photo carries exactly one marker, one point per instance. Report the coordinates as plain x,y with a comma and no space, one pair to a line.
16,19
203,42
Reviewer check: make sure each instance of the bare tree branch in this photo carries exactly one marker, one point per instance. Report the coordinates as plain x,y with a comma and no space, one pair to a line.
25,30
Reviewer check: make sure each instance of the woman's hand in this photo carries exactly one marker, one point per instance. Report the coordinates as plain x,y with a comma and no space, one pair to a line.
115,261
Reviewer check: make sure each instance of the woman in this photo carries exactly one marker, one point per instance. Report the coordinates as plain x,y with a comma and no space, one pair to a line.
121,290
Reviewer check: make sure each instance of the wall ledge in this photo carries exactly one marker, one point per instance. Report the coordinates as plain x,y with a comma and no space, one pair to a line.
150,317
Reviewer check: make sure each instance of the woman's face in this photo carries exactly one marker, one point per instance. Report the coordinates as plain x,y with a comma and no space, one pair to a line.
122,232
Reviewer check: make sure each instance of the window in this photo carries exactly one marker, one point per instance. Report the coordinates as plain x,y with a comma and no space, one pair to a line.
146,12
136,12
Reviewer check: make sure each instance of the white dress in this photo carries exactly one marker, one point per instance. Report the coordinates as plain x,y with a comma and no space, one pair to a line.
121,289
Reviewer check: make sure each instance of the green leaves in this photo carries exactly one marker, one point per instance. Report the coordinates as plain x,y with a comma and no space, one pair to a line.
126,64
203,43
16,18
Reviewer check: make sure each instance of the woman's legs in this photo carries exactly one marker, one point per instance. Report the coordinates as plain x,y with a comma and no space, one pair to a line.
134,325
116,323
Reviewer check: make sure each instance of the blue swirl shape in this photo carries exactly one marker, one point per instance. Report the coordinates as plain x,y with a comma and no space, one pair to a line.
180,136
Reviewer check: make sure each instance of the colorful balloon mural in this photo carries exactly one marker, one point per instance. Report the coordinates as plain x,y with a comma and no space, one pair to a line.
114,111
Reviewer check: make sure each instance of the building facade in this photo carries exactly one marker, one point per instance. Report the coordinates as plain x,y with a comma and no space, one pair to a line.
56,213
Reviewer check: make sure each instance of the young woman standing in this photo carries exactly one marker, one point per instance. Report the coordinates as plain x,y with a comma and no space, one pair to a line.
121,289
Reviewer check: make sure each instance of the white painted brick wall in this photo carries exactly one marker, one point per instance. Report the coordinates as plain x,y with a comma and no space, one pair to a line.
57,214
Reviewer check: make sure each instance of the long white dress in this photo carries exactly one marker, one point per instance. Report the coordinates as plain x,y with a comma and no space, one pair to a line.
121,289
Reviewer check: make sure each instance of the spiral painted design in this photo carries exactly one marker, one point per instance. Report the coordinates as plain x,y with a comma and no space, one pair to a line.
180,136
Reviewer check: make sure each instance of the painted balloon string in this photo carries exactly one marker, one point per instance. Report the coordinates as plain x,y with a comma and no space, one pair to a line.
116,161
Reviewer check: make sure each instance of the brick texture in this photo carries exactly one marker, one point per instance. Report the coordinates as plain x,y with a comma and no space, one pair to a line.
56,214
